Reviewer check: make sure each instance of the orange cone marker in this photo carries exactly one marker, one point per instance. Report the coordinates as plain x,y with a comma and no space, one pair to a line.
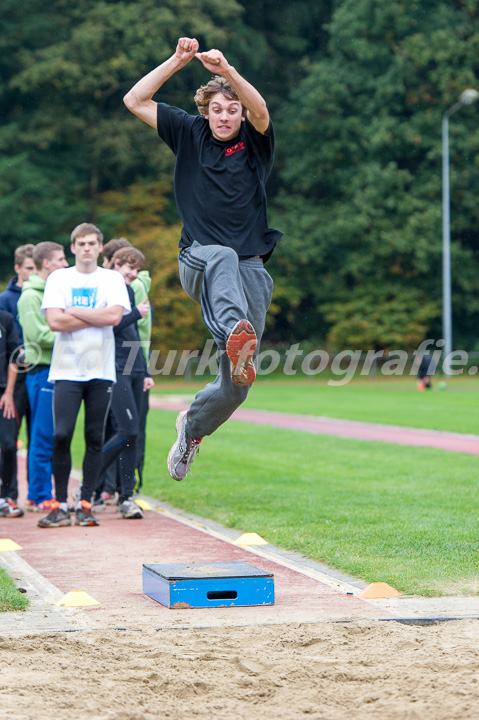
378,590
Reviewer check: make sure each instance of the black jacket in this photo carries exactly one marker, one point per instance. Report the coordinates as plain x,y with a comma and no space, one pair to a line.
8,303
127,341
9,342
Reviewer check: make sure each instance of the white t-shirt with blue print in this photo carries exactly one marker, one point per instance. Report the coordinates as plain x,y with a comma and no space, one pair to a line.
89,353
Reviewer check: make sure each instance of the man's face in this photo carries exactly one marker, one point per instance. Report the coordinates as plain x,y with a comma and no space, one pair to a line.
129,272
57,261
24,270
87,248
224,117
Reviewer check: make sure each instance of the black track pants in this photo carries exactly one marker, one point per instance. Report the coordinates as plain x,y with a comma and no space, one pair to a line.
67,398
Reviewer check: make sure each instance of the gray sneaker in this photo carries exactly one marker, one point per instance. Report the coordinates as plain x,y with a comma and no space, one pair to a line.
55,518
130,510
183,451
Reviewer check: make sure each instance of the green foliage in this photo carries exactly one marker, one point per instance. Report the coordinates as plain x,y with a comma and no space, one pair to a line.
67,136
177,321
361,196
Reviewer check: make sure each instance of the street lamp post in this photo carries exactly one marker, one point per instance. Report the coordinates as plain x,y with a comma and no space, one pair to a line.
467,97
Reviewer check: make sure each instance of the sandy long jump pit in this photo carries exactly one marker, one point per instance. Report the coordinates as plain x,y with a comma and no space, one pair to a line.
318,652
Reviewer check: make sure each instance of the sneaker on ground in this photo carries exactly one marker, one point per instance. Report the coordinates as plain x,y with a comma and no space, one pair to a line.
99,505
44,506
129,510
109,499
240,348
183,451
84,515
9,509
55,518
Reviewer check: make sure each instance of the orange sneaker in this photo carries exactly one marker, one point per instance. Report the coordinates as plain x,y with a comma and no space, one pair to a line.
84,515
44,506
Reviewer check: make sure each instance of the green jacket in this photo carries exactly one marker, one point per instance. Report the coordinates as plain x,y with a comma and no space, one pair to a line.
38,339
141,289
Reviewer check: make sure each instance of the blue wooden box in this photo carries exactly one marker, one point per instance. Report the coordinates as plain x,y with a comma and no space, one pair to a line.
208,584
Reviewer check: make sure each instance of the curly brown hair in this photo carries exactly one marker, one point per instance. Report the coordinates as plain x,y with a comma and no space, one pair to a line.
112,246
216,85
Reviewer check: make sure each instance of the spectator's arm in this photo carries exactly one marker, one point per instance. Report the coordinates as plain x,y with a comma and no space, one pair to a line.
148,383
128,319
98,317
6,401
61,321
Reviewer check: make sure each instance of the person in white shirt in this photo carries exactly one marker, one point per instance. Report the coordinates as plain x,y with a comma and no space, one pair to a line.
81,304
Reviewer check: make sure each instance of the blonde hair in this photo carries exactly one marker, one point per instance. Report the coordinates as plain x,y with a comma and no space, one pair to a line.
45,251
22,253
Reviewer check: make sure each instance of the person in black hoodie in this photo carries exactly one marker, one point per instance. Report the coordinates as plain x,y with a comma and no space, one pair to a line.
23,266
132,380
9,344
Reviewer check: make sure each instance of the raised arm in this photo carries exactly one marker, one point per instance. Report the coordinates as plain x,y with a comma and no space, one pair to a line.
139,98
250,98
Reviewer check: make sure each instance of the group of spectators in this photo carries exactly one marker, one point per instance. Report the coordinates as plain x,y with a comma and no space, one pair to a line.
73,335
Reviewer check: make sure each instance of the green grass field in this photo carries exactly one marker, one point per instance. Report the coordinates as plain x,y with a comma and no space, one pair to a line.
10,597
382,512
393,402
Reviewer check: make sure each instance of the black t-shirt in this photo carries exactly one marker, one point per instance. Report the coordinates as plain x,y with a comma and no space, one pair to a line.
220,186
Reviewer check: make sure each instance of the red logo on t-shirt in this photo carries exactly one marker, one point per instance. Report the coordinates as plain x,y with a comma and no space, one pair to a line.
235,148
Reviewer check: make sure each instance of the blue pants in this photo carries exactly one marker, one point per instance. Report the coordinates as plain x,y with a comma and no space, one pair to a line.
40,396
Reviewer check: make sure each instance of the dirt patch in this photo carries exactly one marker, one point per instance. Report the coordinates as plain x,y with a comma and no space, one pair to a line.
328,671
460,586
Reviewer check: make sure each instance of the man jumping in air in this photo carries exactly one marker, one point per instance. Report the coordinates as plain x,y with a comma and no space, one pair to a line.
224,157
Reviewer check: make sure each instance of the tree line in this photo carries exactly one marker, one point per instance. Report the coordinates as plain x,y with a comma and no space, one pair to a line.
356,91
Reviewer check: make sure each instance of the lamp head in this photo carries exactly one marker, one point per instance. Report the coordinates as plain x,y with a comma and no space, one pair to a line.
469,96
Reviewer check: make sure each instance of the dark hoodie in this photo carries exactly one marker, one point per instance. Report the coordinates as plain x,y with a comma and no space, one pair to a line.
8,302
126,335
8,345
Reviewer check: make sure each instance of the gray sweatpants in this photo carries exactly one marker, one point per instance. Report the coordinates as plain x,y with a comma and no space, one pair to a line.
228,290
